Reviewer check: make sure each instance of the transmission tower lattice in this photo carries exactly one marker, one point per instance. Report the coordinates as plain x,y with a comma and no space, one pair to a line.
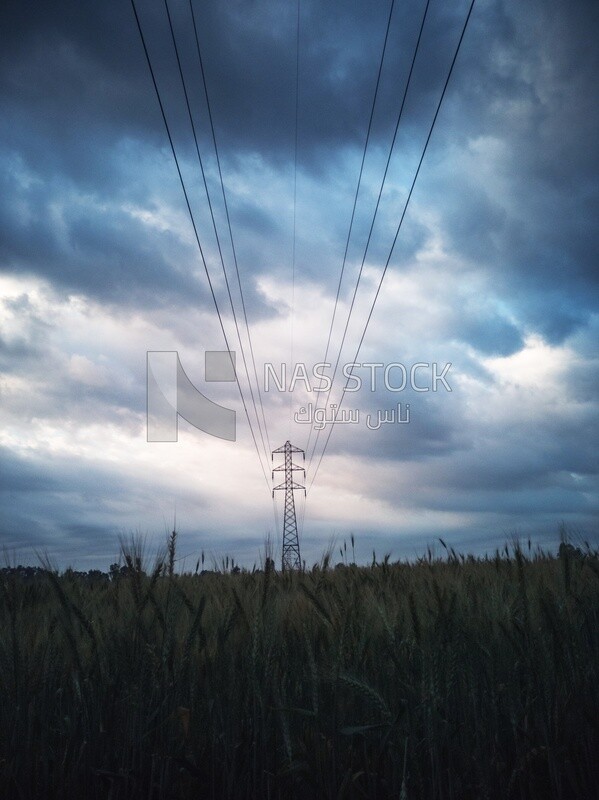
291,552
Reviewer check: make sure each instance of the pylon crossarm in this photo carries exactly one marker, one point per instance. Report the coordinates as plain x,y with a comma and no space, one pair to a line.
283,467
293,485
288,447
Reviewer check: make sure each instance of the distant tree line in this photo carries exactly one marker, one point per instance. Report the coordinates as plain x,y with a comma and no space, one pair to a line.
134,566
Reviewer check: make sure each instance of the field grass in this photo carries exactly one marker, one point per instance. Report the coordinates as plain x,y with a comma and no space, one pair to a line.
449,679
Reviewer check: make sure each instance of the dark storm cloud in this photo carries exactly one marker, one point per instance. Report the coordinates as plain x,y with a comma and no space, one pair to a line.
490,335
75,86
532,221
69,507
432,430
77,107
24,476
84,63
41,495
89,247
526,466
72,69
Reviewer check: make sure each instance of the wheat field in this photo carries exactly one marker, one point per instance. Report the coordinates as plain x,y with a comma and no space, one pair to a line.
450,678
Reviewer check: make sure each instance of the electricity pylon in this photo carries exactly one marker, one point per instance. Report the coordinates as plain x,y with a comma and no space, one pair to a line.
291,552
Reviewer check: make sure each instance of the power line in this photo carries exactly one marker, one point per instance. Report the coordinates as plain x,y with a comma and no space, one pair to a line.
293,253
353,213
193,223
197,148
405,208
226,206
391,148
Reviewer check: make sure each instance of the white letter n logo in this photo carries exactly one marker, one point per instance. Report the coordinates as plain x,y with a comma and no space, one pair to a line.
170,395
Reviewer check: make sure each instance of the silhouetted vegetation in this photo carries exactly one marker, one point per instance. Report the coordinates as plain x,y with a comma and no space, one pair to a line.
452,677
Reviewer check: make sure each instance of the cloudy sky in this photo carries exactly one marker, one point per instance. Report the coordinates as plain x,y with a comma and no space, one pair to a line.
495,271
